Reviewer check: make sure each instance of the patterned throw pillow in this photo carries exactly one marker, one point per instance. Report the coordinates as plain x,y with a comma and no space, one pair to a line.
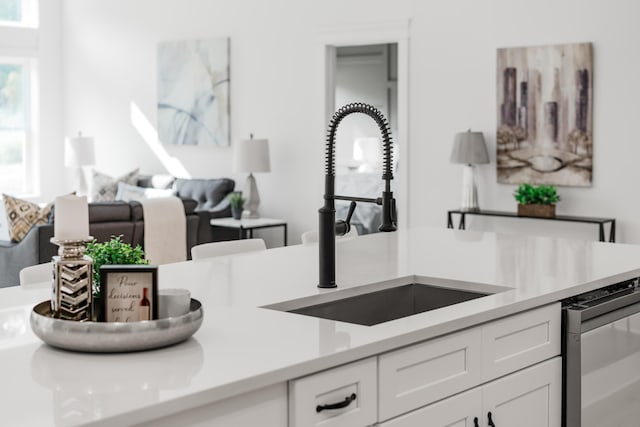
23,215
105,187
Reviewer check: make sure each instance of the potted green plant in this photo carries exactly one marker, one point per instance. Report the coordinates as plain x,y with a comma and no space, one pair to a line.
237,204
537,201
115,251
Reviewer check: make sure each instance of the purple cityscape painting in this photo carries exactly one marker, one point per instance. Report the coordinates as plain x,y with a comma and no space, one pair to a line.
545,115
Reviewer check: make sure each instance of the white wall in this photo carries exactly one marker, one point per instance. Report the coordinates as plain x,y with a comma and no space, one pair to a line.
454,79
111,63
51,126
277,74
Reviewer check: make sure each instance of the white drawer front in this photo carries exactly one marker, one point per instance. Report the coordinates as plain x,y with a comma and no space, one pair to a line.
519,341
423,373
335,386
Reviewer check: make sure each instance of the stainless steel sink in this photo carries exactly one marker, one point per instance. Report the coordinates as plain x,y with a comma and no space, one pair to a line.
382,305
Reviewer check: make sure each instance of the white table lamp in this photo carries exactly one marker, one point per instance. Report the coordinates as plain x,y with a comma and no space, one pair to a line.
79,151
252,155
470,149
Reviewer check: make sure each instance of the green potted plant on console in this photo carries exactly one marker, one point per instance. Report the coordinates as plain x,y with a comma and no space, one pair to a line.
537,201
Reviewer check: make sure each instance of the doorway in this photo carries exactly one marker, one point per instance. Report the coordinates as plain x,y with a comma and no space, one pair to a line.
368,64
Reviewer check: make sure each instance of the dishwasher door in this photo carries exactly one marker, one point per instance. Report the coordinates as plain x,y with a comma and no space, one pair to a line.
601,357
610,394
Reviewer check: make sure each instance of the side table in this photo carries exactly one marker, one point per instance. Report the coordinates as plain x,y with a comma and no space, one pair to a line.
245,226
570,218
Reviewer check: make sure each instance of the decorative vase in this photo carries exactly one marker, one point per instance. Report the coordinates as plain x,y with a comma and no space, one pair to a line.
537,211
72,279
236,212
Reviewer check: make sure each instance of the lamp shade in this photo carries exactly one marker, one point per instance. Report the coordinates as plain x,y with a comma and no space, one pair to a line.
469,148
79,151
252,155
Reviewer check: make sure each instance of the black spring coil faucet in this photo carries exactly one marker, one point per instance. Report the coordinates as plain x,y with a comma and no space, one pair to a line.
328,227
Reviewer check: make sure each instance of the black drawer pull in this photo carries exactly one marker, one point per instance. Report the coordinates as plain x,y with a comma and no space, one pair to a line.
339,405
475,422
491,424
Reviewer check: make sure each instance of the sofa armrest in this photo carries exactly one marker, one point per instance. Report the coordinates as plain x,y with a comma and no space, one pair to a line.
222,209
206,233
16,256
190,205
46,249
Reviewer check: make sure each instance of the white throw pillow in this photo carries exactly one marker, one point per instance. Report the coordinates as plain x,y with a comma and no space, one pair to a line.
128,192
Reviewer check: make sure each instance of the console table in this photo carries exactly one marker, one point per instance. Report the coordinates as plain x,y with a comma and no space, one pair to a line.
245,226
570,218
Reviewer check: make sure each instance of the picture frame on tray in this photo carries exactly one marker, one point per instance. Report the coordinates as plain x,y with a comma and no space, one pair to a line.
129,293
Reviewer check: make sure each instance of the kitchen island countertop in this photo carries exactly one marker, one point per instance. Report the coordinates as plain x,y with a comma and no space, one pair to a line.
243,347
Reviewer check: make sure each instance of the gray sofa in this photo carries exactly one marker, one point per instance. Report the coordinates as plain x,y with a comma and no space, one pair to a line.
212,198
203,199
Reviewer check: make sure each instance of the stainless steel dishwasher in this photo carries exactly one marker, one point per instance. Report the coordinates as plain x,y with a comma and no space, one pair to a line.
601,357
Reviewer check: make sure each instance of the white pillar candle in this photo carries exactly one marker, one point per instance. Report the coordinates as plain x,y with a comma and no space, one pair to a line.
71,218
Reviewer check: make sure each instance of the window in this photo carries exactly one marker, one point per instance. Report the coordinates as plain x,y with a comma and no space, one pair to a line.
20,13
18,97
11,10
14,125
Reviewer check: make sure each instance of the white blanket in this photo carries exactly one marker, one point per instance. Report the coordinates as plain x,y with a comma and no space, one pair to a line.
165,230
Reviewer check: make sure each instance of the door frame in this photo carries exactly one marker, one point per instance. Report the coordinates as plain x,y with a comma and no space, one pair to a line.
367,34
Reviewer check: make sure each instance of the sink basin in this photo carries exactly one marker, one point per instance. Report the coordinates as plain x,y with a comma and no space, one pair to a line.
372,308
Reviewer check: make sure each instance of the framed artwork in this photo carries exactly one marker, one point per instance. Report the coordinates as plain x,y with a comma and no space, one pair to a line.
129,292
545,115
193,92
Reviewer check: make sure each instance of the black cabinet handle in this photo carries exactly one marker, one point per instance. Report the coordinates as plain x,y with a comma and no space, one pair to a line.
347,401
491,424
475,422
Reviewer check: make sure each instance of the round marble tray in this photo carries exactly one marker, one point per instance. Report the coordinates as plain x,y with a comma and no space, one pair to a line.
114,337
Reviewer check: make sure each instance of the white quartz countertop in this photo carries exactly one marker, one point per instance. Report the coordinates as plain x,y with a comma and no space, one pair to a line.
242,347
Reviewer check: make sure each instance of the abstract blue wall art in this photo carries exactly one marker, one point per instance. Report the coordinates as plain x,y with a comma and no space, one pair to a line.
193,92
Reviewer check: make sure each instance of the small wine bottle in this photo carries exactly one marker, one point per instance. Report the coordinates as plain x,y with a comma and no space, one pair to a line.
145,307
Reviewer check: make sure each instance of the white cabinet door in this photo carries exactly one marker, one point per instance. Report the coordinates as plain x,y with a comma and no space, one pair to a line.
528,398
521,340
457,411
423,373
420,374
